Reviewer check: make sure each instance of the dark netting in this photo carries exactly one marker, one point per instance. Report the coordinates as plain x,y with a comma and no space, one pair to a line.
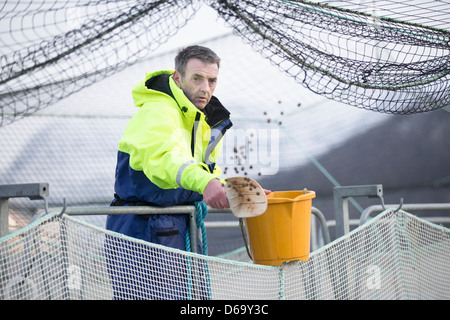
51,49
357,58
394,61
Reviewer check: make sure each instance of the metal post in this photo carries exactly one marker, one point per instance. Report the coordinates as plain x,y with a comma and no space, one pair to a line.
341,195
323,224
193,230
4,217
33,191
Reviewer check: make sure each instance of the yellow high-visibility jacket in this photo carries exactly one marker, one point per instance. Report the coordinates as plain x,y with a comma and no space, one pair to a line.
168,152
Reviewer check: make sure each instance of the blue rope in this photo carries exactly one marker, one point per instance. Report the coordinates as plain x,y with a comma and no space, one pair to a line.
202,211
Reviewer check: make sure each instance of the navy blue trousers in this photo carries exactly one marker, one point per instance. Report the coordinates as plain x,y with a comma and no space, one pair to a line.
138,271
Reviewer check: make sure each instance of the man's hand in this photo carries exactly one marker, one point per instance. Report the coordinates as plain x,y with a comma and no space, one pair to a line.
214,195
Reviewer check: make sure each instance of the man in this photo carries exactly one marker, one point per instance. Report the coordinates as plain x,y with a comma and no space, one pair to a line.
161,158
167,154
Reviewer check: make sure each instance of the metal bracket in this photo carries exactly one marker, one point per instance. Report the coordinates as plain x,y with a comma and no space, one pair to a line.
341,195
33,191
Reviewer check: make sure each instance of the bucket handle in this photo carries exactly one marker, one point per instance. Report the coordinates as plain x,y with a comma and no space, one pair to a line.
241,224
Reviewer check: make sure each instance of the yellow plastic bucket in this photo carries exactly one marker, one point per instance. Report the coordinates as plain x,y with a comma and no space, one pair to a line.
282,232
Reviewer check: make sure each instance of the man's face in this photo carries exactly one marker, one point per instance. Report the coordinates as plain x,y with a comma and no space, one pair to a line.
199,81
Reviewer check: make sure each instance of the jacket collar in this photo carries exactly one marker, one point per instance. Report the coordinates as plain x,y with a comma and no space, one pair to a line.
214,111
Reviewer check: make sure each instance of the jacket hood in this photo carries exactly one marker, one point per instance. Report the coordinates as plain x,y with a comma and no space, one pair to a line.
152,84
161,83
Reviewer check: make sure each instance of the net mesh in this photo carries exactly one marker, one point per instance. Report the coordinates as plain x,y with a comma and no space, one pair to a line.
52,49
393,256
387,56
362,59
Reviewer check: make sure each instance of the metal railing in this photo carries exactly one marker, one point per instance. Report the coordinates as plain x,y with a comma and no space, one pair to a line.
343,194
180,209
33,191
410,207
40,191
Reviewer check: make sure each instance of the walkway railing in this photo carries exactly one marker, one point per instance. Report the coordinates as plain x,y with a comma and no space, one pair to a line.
40,191
181,209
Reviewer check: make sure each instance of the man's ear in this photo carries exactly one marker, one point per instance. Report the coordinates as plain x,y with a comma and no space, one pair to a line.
177,77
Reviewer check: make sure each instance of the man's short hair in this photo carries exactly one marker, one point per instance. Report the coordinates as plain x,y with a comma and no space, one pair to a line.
204,54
